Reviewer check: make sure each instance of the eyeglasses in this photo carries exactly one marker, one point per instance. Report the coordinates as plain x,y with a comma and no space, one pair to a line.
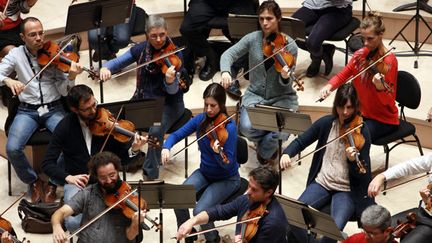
34,34
372,234
88,109
156,36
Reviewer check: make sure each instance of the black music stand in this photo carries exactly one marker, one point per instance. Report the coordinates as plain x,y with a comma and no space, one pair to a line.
419,5
97,14
142,113
240,25
160,195
278,119
303,216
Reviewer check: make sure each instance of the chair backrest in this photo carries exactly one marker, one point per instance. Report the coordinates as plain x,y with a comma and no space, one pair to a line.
242,150
408,92
139,21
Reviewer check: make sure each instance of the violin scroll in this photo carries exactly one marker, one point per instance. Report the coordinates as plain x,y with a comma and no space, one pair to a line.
403,228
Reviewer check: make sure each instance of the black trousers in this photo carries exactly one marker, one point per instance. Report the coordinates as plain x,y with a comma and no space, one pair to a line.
194,28
326,22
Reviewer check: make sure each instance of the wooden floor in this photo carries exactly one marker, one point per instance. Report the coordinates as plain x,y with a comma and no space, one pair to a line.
53,15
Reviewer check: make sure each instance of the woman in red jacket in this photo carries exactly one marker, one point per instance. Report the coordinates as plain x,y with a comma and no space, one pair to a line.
376,87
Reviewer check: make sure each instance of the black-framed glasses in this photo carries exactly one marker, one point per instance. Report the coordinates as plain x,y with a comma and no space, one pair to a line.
88,109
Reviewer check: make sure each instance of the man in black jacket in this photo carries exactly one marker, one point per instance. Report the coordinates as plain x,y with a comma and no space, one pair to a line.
73,138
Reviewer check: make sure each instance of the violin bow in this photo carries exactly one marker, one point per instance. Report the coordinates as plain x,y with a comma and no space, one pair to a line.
6,6
19,198
407,181
100,214
365,69
329,142
111,129
50,61
220,226
148,62
205,134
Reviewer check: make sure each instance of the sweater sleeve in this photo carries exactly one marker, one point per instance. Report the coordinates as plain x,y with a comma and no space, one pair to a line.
120,62
234,52
411,167
183,132
227,211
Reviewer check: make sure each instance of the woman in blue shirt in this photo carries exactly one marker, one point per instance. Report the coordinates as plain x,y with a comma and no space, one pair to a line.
215,179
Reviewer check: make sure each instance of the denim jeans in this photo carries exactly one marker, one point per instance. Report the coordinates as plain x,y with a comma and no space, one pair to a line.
342,207
378,129
23,126
267,141
72,223
213,193
171,113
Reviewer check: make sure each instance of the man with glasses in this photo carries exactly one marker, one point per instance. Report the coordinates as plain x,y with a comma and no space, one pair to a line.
40,101
74,139
113,226
376,223
153,83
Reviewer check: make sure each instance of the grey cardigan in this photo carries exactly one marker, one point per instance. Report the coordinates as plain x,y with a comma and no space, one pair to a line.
266,86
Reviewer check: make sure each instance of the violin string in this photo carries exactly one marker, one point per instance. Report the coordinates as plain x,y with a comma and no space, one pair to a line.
364,69
111,129
49,62
220,226
201,137
101,214
148,62
329,142
13,204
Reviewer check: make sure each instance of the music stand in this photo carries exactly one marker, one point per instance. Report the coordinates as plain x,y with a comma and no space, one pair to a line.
240,25
160,195
303,216
135,111
278,119
143,113
419,5
97,14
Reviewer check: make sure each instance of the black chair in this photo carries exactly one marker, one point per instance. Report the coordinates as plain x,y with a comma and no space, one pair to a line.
408,94
343,34
138,28
40,137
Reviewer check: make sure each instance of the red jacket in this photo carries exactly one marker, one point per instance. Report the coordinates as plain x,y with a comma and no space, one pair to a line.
374,104
361,238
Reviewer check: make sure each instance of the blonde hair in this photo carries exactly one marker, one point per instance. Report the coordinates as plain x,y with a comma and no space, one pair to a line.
373,19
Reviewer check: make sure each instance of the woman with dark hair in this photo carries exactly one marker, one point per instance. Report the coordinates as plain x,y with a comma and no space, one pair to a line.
216,178
267,86
376,88
334,176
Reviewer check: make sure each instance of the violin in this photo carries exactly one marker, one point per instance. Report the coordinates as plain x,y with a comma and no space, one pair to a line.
403,228
122,130
129,206
219,134
380,67
250,228
6,226
171,60
275,42
63,61
355,139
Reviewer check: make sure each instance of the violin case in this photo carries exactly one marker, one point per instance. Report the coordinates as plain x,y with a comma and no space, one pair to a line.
36,217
